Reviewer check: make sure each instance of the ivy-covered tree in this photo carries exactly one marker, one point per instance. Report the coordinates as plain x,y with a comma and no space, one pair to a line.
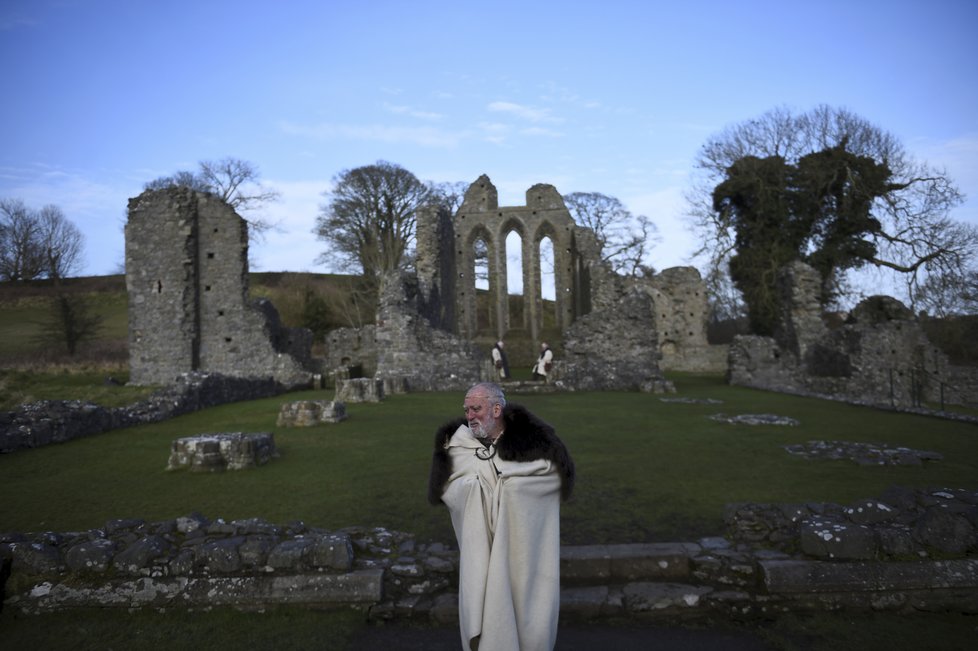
754,200
908,223
819,210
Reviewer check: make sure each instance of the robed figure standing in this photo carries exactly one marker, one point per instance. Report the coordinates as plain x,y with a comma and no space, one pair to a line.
503,473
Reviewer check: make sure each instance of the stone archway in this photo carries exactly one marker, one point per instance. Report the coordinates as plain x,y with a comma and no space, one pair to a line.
544,216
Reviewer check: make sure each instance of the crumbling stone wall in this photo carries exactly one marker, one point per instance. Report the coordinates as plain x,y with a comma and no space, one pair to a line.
608,330
352,348
901,523
681,312
37,424
412,353
614,347
187,280
193,562
881,355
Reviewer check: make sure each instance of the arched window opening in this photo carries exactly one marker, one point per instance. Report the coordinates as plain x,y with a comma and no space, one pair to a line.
514,264
514,278
483,309
548,283
480,253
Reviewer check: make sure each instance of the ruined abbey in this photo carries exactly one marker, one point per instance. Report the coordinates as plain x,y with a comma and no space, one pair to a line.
612,332
186,274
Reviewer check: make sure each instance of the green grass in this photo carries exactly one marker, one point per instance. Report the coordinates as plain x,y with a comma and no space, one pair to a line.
279,629
647,470
18,387
276,629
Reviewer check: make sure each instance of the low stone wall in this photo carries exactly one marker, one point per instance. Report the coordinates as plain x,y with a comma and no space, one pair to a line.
901,523
55,421
193,562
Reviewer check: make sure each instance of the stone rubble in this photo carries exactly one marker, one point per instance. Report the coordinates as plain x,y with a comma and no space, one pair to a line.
41,423
865,454
693,401
756,419
902,523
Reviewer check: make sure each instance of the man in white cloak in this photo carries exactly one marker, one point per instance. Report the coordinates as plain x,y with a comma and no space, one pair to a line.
503,472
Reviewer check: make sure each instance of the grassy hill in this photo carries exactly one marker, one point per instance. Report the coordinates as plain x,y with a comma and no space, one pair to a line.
320,302
26,306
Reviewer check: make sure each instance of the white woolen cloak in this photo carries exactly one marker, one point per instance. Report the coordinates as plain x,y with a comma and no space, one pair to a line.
506,516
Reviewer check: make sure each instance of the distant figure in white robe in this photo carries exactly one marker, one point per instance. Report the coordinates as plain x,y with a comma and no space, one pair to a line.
544,363
499,361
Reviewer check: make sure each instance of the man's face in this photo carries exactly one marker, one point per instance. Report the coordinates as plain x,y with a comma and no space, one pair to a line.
482,418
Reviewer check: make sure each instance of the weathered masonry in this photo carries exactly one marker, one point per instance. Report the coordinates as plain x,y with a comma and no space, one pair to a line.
480,218
187,280
611,332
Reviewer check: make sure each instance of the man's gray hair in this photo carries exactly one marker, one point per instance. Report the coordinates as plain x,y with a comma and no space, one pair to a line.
493,392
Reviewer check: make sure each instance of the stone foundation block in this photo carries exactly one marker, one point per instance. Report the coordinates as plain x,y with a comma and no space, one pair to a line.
663,597
827,538
649,561
308,413
359,390
226,451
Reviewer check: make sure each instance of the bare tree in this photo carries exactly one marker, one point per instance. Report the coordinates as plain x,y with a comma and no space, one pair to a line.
45,244
370,219
37,243
917,238
20,257
235,181
946,296
60,243
625,240
69,322
182,179
449,195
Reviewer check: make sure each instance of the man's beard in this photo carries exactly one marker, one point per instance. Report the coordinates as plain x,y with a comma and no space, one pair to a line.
479,429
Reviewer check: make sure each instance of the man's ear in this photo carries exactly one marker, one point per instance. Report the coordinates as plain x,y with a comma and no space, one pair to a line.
497,410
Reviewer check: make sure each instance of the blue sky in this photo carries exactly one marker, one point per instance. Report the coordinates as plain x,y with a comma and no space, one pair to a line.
614,97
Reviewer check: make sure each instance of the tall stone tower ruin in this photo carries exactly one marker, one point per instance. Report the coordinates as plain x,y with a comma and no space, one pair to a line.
187,281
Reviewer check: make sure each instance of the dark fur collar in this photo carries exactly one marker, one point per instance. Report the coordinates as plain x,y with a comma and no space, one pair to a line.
525,438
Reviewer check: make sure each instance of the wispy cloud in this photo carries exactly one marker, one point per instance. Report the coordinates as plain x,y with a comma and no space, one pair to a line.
412,112
529,113
541,131
494,132
97,206
423,136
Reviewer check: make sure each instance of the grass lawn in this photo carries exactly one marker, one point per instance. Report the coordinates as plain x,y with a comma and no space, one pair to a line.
648,470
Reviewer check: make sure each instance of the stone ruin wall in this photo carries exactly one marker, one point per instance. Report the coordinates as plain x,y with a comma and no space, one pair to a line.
187,281
412,354
681,309
353,348
881,356
613,328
